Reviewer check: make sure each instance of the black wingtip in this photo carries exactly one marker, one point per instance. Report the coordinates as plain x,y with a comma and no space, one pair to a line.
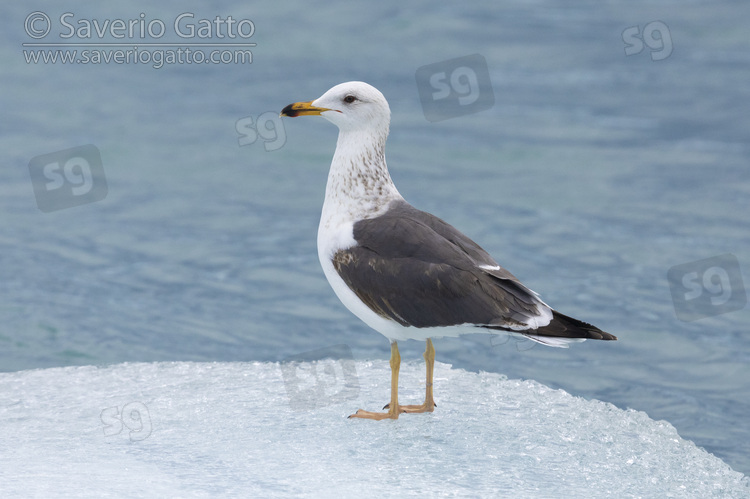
563,326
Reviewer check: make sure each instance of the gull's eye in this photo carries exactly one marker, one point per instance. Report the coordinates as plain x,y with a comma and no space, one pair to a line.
349,99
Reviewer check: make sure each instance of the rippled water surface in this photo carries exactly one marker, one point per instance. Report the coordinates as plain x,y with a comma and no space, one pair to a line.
591,175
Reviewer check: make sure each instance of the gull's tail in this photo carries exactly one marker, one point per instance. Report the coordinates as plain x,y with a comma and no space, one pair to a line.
563,330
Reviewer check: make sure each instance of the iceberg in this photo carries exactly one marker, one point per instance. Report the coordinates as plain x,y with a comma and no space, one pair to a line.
263,429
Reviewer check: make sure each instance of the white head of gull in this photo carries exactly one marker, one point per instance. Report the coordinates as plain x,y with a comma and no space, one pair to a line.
404,272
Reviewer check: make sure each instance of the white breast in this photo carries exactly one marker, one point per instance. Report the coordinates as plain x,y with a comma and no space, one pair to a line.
336,235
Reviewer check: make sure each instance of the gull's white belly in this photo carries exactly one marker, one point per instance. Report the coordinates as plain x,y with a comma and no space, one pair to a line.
334,237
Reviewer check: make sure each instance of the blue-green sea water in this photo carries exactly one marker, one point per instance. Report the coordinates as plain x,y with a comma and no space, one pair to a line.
616,147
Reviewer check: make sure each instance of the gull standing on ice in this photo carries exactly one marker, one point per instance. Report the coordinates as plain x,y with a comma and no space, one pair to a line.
408,274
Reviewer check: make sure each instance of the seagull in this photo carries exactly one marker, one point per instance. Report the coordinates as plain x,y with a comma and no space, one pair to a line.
404,272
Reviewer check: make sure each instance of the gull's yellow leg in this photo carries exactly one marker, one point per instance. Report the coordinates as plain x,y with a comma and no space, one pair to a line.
429,402
395,410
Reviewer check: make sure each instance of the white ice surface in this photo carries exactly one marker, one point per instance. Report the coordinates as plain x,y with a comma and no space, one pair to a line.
280,430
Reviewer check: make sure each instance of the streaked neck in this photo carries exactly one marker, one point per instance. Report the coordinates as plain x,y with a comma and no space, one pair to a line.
359,185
